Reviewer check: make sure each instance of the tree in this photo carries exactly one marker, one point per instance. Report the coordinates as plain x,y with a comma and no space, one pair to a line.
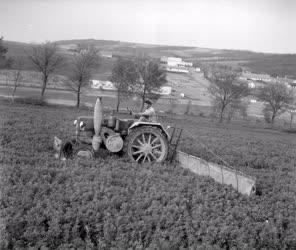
225,88
125,77
152,77
83,65
46,60
276,96
17,75
3,51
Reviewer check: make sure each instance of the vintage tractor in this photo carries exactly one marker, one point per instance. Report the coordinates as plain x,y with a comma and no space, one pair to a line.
141,141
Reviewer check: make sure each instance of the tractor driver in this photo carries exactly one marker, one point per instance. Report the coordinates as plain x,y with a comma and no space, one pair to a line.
149,113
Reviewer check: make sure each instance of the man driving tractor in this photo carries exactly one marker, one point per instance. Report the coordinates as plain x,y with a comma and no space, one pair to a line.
149,113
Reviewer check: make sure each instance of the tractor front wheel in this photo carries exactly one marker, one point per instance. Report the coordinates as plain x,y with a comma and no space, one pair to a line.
147,144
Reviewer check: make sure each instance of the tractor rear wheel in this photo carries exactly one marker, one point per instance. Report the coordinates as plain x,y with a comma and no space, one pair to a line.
147,144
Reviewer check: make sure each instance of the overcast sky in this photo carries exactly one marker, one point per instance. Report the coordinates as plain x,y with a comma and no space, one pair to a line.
258,25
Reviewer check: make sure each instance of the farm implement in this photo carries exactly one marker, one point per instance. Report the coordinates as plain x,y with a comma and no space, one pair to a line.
141,141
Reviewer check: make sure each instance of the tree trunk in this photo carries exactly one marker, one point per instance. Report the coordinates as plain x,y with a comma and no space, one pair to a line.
187,109
291,120
143,98
143,101
221,114
118,101
43,87
78,99
13,93
272,117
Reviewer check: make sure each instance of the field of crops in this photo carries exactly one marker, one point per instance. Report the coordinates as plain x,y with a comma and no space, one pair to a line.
110,203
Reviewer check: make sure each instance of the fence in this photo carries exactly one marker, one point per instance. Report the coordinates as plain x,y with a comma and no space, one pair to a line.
241,182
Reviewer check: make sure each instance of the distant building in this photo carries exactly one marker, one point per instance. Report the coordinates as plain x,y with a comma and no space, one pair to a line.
256,77
177,70
185,64
106,54
72,47
251,85
178,62
173,63
104,85
165,90
288,82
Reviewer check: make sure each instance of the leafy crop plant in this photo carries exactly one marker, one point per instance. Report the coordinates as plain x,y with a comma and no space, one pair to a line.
109,203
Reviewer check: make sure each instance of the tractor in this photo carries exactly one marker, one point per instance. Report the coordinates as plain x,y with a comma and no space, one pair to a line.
141,141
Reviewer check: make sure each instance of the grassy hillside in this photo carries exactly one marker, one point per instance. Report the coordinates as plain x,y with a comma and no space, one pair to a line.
109,203
274,64
16,49
277,65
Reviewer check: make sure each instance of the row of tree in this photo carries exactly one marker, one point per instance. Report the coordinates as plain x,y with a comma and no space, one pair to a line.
228,93
43,58
142,76
138,76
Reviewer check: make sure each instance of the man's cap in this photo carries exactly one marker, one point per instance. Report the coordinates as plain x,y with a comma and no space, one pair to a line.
148,102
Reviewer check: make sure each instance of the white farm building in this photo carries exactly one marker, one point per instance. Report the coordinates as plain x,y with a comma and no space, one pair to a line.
105,85
176,64
164,90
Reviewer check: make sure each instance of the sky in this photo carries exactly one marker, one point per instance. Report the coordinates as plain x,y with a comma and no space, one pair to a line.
256,25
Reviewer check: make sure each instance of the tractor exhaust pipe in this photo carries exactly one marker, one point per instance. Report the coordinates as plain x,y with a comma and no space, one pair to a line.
98,117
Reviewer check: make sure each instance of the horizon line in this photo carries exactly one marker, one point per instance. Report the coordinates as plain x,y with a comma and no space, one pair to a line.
153,44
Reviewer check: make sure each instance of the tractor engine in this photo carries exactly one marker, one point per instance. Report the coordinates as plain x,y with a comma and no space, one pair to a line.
109,135
97,130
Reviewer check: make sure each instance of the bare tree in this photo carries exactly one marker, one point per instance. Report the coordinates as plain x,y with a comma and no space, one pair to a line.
7,77
17,74
226,90
3,51
125,77
46,60
152,77
83,65
276,96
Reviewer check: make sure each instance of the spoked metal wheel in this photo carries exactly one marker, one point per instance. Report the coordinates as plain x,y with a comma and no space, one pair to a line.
84,152
147,144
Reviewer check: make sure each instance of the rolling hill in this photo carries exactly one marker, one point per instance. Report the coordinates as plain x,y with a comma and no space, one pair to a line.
273,64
